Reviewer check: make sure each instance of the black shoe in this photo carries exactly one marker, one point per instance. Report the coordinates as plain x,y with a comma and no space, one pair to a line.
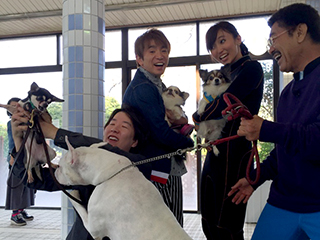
18,220
26,216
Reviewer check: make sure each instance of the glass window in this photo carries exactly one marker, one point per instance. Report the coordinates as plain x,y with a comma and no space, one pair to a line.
27,52
254,34
113,46
113,90
286,78
185,79
181,37
266,110
60,50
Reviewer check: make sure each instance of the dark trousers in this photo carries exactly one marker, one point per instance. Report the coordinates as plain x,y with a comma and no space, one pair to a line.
221,219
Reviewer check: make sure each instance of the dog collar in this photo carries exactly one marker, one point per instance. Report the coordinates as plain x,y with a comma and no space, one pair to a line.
208,97
32,105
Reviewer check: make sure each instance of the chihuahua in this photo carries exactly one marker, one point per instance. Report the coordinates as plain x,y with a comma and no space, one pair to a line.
215,83
36,103
173,100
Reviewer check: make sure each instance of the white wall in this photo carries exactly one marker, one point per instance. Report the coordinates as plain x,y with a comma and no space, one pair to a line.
257,202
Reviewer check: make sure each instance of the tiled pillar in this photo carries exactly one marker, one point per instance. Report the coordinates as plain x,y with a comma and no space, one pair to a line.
83,33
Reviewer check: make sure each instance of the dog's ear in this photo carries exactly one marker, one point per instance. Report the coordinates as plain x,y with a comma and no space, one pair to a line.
184,95
55,99
34,87
203,74
74,155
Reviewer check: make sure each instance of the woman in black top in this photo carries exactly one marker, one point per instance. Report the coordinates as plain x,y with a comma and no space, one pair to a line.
126,131
221,219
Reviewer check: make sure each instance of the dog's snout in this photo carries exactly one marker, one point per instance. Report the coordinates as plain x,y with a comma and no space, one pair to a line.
217,81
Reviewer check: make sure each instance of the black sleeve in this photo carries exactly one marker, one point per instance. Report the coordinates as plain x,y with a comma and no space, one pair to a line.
75,139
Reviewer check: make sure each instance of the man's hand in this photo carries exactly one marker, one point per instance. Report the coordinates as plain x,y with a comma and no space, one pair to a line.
244,191
250,128
19,123
173,119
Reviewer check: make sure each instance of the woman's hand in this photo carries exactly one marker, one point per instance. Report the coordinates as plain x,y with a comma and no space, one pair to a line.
48,129
244,191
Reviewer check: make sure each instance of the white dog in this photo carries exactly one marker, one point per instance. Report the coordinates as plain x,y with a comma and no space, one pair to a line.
173,99
124,204
214,84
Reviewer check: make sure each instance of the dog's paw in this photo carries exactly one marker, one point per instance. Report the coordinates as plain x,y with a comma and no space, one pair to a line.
215,150
30,177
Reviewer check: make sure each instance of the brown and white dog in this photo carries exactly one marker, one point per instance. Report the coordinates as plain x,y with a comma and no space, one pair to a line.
214,84
173,100
38,100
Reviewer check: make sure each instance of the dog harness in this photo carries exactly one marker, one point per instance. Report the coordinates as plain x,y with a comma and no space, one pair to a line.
208,97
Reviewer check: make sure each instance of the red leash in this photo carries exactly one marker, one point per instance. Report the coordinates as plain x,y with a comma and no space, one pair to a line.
235,110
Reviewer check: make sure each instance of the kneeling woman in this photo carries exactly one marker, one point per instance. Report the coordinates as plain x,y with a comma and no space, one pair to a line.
123,132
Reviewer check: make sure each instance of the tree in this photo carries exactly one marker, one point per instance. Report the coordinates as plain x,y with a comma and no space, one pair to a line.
110,105
4,135
55,110
266,109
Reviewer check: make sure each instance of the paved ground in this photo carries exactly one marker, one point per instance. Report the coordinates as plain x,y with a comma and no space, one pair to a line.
47,225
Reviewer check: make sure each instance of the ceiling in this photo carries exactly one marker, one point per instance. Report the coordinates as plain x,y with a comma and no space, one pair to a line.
33,17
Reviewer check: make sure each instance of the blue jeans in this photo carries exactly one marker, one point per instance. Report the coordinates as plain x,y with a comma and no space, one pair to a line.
278,224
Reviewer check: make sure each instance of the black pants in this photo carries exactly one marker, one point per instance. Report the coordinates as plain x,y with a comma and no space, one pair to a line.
221,219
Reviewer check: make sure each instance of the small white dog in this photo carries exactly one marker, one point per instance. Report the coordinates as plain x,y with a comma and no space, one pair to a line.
173,99
214,84
124,204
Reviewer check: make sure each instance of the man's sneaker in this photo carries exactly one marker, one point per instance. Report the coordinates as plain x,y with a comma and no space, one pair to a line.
18,220
26,216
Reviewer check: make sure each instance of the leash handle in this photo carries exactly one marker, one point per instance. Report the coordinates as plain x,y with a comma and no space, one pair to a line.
233,111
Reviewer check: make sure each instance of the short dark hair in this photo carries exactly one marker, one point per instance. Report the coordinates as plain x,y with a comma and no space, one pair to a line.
14,99
295,14
211,35
140,128
151,34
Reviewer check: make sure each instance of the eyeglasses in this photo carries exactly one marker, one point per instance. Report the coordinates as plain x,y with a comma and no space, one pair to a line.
270,41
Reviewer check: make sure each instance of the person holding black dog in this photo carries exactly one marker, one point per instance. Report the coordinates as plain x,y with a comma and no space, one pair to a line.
18,197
